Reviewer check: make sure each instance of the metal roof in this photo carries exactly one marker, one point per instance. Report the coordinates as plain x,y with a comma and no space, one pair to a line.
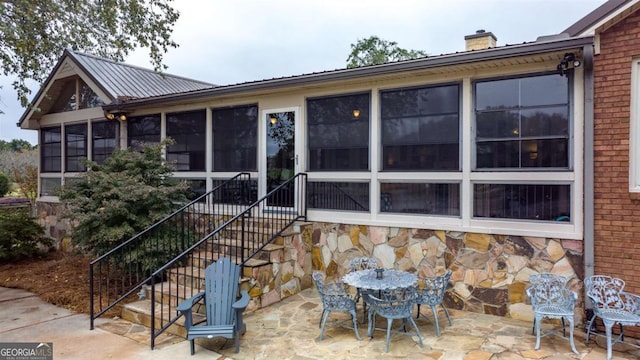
123,81
467,58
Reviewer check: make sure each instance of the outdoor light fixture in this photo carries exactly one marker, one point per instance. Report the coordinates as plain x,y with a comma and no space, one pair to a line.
356,113
116,116
569,61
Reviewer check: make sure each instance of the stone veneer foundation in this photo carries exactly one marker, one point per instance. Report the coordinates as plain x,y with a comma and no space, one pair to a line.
490,272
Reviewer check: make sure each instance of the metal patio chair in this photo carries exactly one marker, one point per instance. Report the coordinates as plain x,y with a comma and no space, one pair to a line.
612,305
550,298
335,297
393,304
363,263
431,293
224,309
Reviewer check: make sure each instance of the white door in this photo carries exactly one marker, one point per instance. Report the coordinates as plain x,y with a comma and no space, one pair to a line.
280,162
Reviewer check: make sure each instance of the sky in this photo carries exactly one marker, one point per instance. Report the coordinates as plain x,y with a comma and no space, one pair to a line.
227,42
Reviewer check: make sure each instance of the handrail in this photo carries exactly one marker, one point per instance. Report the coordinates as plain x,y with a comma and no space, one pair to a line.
240,238
125,268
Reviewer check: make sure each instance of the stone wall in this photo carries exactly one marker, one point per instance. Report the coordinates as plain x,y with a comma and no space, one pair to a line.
490,272
56,228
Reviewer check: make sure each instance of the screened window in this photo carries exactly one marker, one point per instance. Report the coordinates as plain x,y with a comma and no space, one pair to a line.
66,95
239,192
523,122
350,196
421,128
88,98
143,130
67,91
51,149
105,137
338,130
75,147
522,201
197,187
50,186
235,138
188,129
420,198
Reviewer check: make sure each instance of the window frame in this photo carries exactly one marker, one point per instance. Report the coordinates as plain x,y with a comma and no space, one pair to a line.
43,150
458,85
196,132
255,149
365,114
634,130
570,76
75,158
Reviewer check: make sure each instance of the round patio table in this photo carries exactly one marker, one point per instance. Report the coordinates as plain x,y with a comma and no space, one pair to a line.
391,279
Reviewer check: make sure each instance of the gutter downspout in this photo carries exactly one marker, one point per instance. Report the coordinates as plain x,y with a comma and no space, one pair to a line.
588,165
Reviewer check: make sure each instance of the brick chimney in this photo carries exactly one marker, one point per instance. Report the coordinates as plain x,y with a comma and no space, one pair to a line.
480,40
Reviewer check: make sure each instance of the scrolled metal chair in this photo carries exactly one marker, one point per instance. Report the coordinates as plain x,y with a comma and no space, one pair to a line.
335,297
363,263
431,293
393,304
551,299
612,305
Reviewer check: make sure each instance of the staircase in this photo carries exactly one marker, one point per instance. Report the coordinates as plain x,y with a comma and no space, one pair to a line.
255,237
188,280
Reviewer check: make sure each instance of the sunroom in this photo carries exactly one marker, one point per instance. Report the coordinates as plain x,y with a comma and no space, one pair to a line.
471,160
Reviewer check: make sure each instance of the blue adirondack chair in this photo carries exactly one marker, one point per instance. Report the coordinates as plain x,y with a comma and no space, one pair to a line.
224,309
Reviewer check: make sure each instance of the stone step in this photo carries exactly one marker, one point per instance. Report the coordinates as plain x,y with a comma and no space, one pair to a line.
139,312
270,252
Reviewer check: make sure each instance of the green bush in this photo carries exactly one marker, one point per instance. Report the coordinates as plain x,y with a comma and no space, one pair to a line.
20,235
116,200
4,184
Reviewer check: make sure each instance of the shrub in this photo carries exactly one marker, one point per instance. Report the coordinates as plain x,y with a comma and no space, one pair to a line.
4,184
20,235
114,201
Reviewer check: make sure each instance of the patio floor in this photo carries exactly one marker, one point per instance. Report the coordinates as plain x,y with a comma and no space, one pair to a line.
289,330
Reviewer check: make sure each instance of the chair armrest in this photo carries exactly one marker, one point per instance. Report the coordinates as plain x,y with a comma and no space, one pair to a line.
188,303
631,302
243,302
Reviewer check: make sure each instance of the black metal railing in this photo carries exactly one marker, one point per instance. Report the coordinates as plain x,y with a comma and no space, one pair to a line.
122,271
240,238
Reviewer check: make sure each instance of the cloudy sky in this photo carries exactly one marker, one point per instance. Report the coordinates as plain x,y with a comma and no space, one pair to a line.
227,42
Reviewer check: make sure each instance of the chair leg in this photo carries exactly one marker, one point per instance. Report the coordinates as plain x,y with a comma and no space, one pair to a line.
418,314
354,317
417,331
371,327
324,321
533,327
564,332
193,346
435,318
237,342
608,325
537,325
321,316
446,313
589,326
389,321
573,346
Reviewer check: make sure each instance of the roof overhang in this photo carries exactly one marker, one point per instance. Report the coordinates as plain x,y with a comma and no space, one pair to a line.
506,55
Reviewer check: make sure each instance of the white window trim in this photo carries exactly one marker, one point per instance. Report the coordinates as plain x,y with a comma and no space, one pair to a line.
634,131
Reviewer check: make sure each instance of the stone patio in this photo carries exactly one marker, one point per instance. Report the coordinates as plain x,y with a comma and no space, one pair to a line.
289,330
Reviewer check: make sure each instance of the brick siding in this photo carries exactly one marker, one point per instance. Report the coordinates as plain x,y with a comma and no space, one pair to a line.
617,212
